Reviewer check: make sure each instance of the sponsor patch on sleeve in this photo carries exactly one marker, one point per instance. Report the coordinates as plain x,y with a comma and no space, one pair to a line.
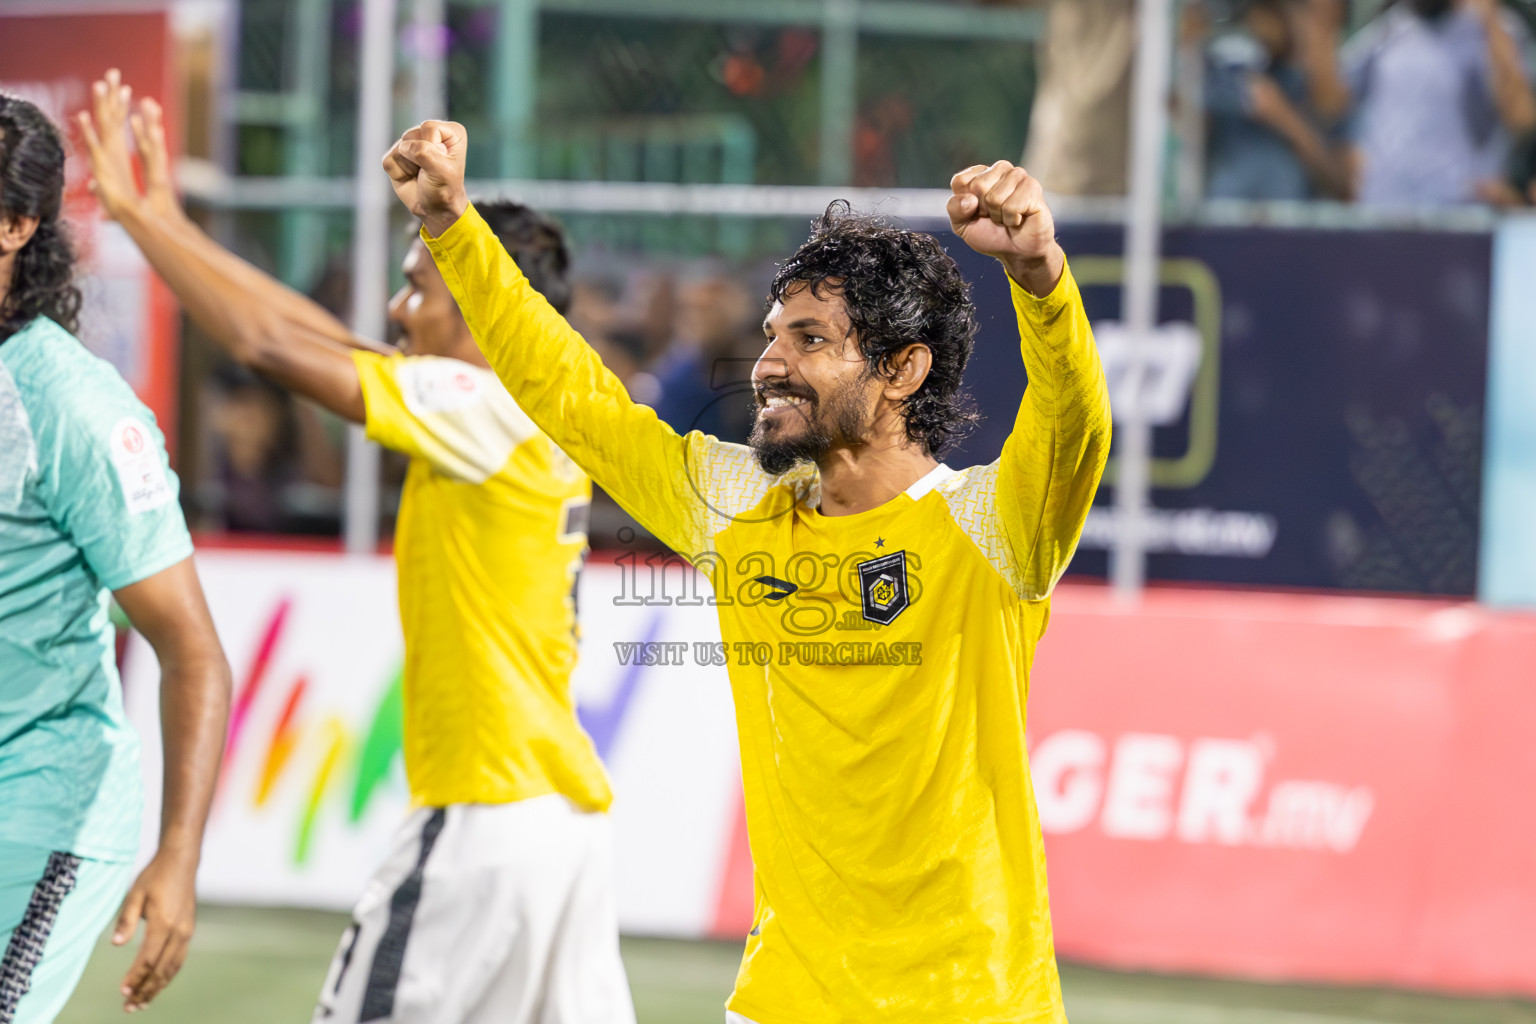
140,472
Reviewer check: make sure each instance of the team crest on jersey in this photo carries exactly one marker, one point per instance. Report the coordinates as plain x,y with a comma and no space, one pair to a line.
883,585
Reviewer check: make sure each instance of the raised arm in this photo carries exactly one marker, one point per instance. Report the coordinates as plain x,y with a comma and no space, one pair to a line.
160,193
1513,97
554,375
261,323
1315,25
1044,482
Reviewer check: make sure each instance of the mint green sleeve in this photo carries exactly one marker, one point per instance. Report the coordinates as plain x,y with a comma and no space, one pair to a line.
106,480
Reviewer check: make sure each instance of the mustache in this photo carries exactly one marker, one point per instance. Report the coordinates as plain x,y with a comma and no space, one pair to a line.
781,389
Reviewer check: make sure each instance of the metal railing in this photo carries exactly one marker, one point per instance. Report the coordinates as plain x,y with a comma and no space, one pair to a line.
205,185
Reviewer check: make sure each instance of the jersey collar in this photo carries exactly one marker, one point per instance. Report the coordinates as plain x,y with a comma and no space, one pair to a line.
933,479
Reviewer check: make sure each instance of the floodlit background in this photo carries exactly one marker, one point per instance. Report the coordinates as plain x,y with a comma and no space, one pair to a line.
1280,726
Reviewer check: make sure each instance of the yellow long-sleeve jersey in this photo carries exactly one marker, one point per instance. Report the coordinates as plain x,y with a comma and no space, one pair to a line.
491,535
879,663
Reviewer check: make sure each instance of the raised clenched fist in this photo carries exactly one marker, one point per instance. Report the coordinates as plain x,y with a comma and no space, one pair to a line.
426,168
1000,211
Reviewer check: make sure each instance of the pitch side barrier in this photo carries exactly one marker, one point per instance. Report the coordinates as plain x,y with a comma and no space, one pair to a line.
1299,786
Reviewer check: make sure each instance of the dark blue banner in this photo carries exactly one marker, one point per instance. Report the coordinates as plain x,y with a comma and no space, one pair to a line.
1320,393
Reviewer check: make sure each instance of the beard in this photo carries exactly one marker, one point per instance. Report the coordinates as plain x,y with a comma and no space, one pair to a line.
1430,9
839,419
778,455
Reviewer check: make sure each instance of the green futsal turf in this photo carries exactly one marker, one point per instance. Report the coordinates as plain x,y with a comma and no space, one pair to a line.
264,966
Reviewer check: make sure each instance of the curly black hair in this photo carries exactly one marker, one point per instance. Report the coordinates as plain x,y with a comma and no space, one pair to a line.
32,185
899,287
536,244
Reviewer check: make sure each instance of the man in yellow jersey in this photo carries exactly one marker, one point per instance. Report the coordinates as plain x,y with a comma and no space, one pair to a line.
900,875
496,903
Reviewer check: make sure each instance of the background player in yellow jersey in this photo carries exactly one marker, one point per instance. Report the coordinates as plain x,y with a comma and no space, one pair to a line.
496,903
900,874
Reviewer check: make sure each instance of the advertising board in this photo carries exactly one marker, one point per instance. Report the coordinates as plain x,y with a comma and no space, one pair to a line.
1319,428
1271,785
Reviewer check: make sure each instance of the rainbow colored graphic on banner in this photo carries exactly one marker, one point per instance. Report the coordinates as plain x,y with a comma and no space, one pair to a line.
344,757
366,761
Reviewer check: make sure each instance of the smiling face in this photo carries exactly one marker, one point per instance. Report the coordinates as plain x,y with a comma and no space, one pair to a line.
868,337
813,387
426,315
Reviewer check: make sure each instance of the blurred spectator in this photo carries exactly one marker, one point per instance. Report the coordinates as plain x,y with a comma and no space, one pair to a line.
1080,126
594,304
678,342
628,318
1518,188
881,126
709,353
1522,172
1274,96
275,471
1441,89
649,311
594,313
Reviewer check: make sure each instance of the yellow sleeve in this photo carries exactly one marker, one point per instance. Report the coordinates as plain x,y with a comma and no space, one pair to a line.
682,489
454,415
1026,510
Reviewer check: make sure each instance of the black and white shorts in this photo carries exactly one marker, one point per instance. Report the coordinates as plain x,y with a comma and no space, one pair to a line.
486,914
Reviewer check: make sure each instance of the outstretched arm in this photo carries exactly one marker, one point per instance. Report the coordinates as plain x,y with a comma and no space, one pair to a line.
168,608
160,194
261,323
1051,463
555,376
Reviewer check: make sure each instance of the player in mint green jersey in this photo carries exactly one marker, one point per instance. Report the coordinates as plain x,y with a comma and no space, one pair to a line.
87,507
